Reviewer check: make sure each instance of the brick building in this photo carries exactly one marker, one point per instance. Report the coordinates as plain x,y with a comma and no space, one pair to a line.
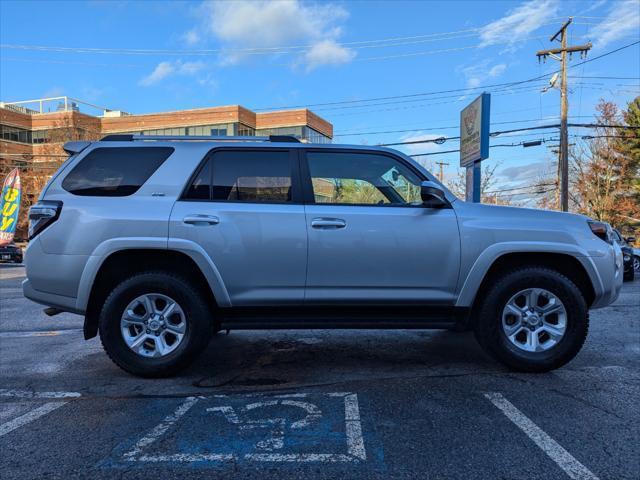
32,132
28,128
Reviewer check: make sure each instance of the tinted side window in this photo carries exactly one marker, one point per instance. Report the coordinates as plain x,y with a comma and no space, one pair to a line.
115,172
251,176
362,179
200,188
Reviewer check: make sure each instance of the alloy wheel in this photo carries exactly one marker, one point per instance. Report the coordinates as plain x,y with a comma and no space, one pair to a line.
153,325
534,320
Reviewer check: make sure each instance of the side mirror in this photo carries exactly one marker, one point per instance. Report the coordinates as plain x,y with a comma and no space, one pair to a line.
432,195
630,239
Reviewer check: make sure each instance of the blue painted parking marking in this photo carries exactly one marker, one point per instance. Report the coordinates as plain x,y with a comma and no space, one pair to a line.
283,428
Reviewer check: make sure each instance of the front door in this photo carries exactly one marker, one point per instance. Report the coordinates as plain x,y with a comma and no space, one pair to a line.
241,209
371,241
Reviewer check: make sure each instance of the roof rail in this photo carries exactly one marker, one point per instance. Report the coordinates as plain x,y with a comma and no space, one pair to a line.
128,137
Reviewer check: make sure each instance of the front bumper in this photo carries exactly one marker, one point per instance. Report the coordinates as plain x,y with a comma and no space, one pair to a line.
610,273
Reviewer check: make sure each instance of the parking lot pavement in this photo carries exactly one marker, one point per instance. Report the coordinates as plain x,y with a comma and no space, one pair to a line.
316,404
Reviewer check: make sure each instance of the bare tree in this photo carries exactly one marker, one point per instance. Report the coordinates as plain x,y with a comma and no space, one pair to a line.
488,192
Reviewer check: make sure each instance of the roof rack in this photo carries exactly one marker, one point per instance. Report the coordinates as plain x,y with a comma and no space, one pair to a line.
128,137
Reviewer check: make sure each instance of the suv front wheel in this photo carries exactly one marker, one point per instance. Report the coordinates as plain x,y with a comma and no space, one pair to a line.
154,324
533,319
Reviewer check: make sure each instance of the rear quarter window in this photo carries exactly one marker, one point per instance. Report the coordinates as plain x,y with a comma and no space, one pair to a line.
115,171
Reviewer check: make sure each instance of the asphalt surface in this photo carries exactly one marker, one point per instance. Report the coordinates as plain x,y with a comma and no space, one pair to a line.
316,404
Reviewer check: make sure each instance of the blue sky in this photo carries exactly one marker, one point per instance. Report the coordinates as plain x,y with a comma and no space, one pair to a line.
159,56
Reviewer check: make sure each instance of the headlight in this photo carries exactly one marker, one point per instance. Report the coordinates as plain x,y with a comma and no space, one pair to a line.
626,257
602,230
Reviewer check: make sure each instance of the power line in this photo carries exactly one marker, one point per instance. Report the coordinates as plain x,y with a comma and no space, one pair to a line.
503,84
375,43
501,92
506,122
495,134
605,78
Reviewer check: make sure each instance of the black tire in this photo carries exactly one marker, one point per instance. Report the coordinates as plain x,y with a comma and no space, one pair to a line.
197,312
488,327
629,275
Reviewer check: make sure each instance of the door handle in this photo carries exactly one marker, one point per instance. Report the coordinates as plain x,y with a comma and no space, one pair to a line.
201,220
328,223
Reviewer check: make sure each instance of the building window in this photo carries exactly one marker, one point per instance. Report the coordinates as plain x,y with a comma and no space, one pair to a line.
303,132
245,131
313,136
41,136
15,134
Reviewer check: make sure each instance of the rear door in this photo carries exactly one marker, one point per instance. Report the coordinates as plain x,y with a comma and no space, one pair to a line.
243,207
371,240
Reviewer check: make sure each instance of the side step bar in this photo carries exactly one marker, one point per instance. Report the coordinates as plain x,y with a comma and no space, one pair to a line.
349,317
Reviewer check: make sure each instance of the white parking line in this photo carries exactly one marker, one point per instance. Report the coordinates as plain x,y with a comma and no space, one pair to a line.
355,442
160,429
548,445
6,274
29,417
27,394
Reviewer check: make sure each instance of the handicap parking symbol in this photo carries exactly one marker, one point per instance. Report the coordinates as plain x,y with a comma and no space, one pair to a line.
281,428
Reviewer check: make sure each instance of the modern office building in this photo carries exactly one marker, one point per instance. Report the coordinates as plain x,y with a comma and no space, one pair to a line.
34,130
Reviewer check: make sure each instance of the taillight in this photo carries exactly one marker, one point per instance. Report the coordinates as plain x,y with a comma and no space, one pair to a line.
601,230
43,214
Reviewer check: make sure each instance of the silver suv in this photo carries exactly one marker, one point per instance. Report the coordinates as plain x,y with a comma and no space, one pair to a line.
162,241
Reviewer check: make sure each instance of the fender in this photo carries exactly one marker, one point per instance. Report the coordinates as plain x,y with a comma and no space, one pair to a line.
481,266
108,247
206,266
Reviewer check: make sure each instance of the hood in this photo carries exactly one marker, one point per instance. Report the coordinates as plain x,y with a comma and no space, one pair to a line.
519,213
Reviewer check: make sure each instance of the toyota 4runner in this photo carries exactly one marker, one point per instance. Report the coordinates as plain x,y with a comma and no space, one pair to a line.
162,241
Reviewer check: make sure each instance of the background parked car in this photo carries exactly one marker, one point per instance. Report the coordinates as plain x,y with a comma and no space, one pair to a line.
10,253
627,255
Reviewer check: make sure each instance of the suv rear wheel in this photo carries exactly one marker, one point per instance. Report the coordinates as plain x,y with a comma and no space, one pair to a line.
533,320
154,324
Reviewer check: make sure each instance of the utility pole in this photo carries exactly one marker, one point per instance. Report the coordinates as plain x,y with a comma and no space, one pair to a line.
563,157
441,165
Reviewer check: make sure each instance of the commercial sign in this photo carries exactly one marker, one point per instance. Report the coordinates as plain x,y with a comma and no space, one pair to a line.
9,206
474,131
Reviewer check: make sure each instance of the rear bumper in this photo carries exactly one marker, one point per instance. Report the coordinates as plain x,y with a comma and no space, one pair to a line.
68,304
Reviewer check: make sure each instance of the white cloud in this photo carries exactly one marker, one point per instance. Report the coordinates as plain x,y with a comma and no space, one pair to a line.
327,52
189,68
191,38
497,70
622,20
260,24
518,23
477,74
526,172
167,69
594,6
162,71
